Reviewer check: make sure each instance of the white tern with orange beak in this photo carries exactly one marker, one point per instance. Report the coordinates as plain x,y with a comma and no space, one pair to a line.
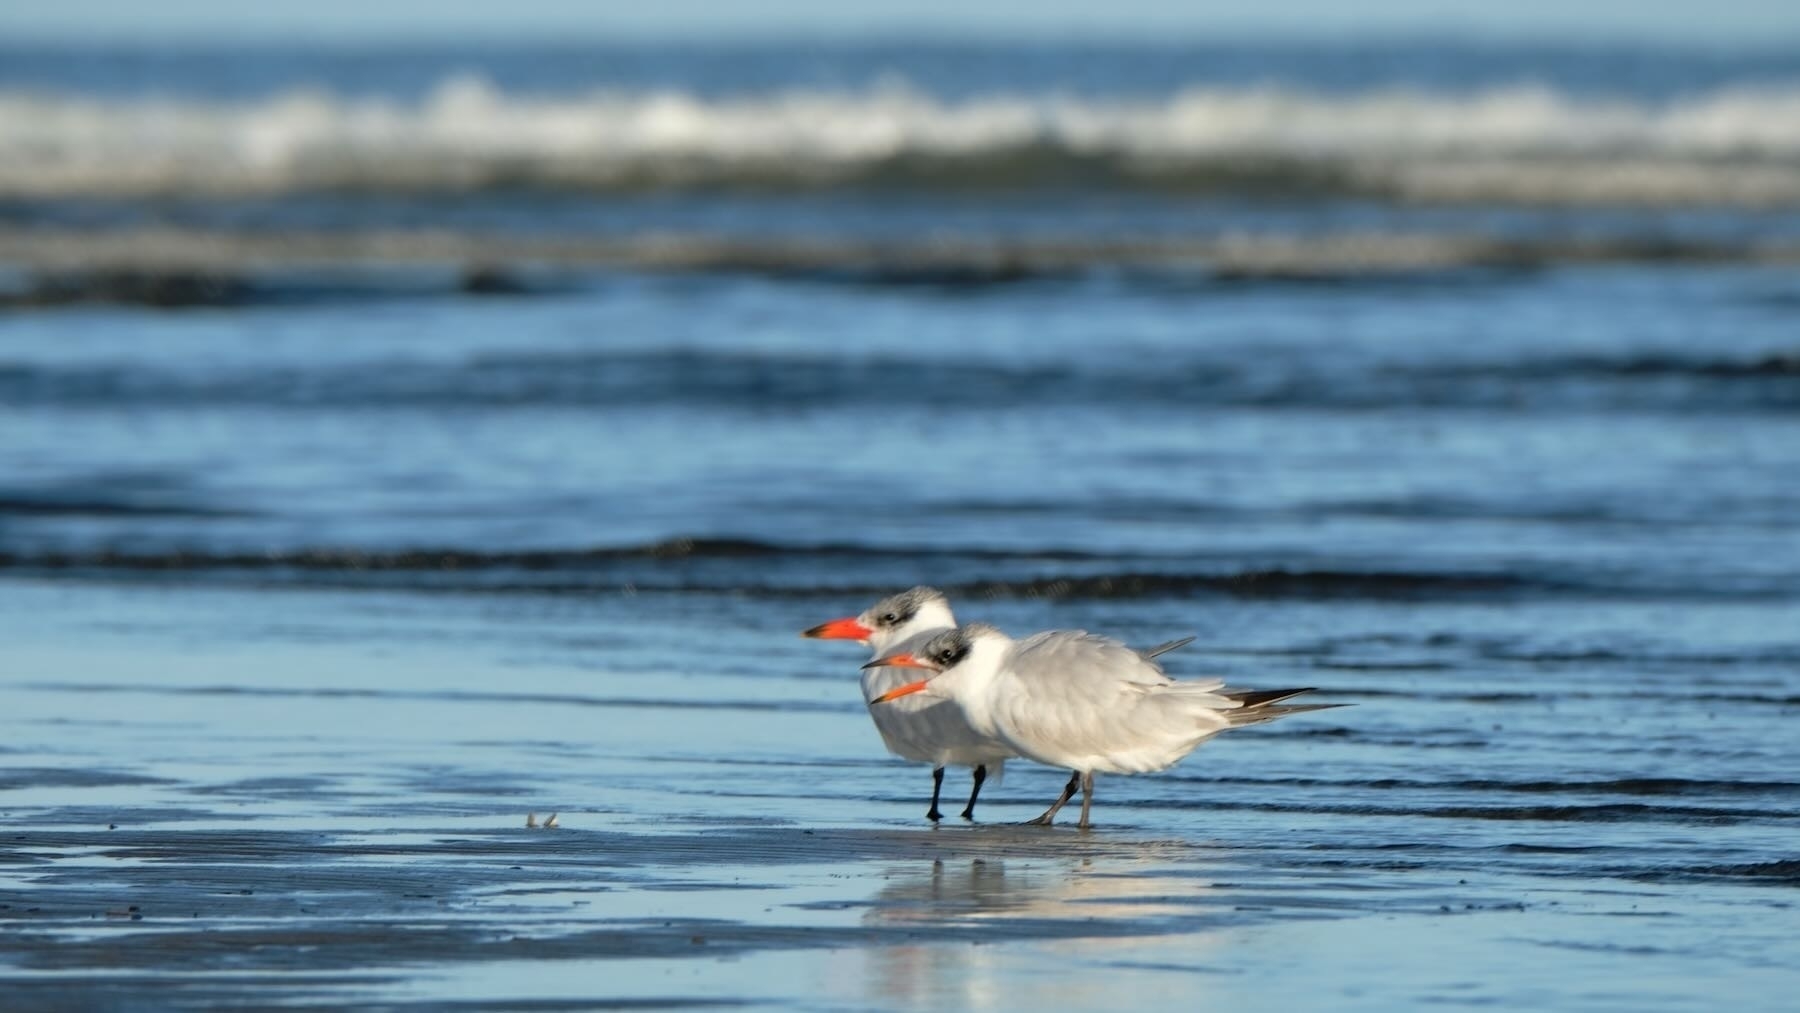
922,728
1070,699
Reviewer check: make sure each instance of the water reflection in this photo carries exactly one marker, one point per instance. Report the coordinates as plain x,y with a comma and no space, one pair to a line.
1086,909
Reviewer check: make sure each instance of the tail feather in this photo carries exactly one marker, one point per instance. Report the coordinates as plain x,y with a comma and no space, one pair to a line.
1262,705
1262,715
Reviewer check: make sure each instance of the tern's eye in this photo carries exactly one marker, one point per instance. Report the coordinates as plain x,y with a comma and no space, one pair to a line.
890,618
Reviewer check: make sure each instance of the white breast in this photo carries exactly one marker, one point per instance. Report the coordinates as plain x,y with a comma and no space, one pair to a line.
926,729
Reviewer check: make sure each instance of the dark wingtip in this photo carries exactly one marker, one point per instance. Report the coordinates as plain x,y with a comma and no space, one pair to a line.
1264,697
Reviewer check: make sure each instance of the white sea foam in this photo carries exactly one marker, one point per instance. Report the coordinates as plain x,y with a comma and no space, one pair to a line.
1739,146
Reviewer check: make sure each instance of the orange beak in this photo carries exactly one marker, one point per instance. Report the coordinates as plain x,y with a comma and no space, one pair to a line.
906,690
840,629
902,661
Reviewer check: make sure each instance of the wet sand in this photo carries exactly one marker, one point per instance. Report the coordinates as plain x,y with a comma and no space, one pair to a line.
989,917
327,807
996,917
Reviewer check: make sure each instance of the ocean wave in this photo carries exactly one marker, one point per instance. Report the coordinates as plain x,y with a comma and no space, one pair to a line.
1525,143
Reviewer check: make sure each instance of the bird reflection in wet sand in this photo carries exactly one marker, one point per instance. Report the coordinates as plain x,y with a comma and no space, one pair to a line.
1099,903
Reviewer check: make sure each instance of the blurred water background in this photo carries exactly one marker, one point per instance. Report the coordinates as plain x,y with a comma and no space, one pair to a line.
396,440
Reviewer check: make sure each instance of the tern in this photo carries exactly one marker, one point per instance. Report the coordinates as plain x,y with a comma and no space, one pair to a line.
923,729
1070,699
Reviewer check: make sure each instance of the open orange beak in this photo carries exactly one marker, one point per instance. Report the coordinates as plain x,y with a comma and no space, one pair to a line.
840,629
902,661
906,690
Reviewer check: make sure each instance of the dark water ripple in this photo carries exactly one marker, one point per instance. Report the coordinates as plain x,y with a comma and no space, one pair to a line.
1389,261
68,506
1785,872
444,696
1623,786
1623,813
586,571
714,380
741,566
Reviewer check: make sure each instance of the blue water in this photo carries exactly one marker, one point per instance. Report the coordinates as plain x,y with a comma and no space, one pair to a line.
354,564
947,67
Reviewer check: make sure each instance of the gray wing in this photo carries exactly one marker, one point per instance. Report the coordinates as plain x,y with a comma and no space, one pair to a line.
1077,659
1094,701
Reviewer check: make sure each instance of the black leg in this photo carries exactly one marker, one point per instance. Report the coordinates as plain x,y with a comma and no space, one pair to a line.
968,812
937,785
1087,797
1067,794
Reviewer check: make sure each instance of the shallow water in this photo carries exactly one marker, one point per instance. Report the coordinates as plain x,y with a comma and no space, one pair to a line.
320,797
398,514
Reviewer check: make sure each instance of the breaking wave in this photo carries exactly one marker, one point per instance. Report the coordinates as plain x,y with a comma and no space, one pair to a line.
1524,143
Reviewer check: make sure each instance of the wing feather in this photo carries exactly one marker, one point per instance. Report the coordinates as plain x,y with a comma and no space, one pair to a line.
1092,703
